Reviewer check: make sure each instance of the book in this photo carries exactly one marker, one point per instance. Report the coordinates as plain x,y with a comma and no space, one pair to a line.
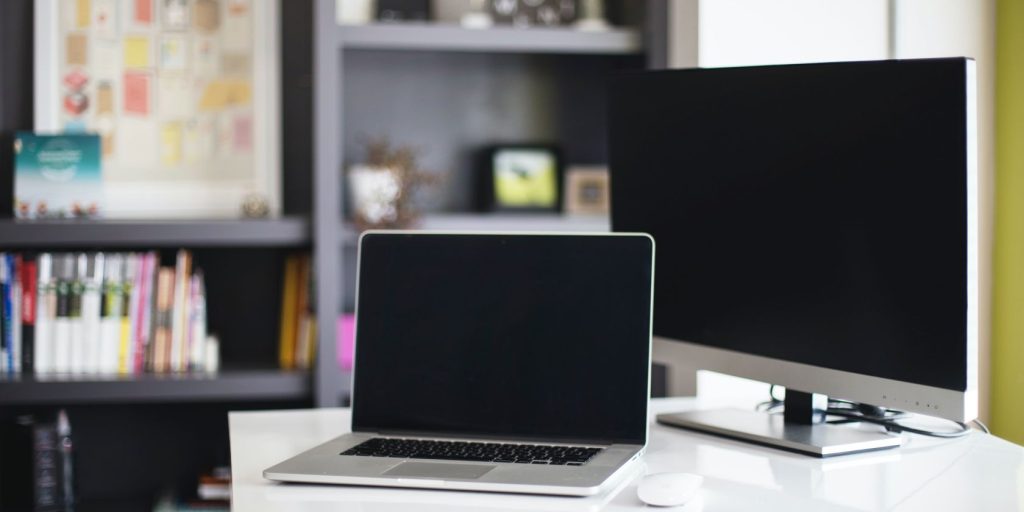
29,291
57,176
180,308
6,363
110,321
76,362
14,273
91,267
289,306
162,335
124,324
197,323
64,269
46,314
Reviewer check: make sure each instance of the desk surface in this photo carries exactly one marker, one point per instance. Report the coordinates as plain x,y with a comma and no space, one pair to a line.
979,472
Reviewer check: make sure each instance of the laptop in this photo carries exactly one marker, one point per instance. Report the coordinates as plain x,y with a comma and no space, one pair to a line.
505,362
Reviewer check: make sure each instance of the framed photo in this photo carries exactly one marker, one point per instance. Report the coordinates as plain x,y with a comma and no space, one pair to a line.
587,191
522,177
184,95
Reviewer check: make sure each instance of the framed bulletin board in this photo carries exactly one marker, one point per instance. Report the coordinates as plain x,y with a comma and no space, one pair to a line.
183,93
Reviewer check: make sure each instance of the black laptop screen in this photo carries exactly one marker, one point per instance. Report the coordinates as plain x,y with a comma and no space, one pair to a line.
512,336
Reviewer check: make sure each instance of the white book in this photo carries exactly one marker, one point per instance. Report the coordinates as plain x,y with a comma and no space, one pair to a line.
92,298
110,321
197,338
62,324
179,315
46,312
79,345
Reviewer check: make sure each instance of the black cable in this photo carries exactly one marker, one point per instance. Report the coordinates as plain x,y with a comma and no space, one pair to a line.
888,418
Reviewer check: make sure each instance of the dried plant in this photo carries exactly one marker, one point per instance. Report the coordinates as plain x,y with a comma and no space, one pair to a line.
402,161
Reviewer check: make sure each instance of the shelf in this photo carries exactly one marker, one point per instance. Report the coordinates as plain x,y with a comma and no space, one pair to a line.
439,37
279,232
541,222
228,385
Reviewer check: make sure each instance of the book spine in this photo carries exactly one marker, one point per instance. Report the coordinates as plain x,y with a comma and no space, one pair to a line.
165,296
15,277
197,323
8,309
79,344
286,353
124,314
92,299
46,312
46,468
110,321
62,322
29,294
5,320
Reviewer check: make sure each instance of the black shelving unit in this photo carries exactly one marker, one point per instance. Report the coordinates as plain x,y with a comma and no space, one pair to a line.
288,231
223,386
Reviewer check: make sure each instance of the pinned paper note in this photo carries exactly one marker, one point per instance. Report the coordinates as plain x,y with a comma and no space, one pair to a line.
144,138
242,138
207,15
173,53
136,93
204,56
174,96
142,12
83,13
191,145
106,59
104,98
136,52
220,94
105,127
104,19
236,31
76,52
235,64
170,144
175,14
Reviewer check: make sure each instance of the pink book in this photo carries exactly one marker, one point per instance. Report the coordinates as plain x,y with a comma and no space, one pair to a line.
346,341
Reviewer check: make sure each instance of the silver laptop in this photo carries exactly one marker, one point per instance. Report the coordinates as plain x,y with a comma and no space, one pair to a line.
504,362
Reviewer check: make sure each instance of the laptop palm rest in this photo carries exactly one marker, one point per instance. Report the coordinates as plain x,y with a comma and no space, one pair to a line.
439,470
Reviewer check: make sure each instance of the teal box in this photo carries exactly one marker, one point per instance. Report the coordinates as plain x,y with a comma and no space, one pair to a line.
57,176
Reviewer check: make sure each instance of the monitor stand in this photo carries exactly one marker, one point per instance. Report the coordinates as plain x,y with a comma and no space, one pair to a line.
801,428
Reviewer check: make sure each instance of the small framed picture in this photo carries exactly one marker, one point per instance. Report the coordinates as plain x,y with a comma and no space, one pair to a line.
523,177
587,190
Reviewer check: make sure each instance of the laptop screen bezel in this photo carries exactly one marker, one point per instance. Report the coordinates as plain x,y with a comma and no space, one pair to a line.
640,440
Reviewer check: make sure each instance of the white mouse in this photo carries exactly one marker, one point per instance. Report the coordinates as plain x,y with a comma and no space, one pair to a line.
668,489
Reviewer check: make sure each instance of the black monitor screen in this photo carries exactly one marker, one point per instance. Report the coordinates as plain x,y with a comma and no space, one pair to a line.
809,213
514,336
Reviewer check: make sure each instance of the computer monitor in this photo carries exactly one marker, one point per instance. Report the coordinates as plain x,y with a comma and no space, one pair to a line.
817,228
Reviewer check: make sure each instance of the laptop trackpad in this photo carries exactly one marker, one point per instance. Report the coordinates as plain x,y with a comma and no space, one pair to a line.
439,470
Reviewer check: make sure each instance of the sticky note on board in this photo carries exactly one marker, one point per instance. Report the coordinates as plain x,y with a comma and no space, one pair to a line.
136,93
136,52
242,138
220,94
104,98
142,12
170,144
83,12
75,49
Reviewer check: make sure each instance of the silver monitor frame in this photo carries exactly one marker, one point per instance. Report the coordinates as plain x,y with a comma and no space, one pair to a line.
934,401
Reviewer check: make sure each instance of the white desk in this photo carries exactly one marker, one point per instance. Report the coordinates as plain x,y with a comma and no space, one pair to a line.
980,472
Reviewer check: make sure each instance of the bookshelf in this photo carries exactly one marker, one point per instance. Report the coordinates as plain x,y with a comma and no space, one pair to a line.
287,231
224,386
441,37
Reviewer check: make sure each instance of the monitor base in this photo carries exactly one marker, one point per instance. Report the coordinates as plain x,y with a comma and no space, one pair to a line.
819,440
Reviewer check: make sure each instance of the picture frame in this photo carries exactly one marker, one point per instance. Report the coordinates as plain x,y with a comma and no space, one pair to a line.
184,94
587,190
521,178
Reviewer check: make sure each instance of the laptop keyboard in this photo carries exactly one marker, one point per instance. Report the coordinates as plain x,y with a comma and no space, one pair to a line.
471,451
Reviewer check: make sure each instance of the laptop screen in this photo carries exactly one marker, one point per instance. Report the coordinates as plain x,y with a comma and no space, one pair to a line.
532,337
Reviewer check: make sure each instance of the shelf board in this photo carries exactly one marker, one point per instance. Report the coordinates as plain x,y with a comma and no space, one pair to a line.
228,385
279,232
542,222
503,39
